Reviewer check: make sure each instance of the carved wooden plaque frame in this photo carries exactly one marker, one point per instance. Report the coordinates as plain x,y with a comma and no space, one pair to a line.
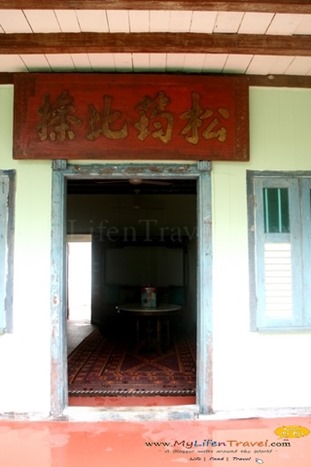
130,117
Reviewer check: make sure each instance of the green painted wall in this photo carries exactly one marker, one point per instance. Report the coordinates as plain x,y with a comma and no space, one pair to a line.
25,354
250,369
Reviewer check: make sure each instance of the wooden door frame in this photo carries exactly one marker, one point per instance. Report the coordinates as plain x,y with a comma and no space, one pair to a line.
201,171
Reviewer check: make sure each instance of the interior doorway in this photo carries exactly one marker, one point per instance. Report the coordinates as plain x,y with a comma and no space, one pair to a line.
200,173
143,232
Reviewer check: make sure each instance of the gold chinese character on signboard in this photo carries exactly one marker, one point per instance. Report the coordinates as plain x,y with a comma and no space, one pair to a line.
195,117
101,123
220,133
56,121
154,119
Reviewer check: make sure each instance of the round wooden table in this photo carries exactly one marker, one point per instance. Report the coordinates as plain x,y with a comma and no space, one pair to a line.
160,314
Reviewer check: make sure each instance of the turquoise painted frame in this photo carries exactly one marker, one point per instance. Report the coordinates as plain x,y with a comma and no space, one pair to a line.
256,180
201,171
7,224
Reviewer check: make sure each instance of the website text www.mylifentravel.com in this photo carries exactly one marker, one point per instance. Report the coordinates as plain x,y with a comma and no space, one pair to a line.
239,449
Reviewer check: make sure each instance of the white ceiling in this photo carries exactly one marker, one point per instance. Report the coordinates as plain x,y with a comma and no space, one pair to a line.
13,21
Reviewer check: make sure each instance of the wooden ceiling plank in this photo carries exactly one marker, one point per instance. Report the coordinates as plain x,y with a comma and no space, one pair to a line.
299,66
157,62
63,43
102,62
92,23
159,21
304,26
280,6
180,21
214,63
139,21
175,62
43,21
36,63
118,21
228,22
261,65
140,62
280,65
60,62
123,62
255,23
284,24
81,62
237,64
203,21
67,20
12,64
194,63
14,21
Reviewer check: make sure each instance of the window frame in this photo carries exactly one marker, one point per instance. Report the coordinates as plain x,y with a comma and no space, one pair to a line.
7,219
299,186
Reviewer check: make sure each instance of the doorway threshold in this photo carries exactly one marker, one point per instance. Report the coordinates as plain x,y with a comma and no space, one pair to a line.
131,414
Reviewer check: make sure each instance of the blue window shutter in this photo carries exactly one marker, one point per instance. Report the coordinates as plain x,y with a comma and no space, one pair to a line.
280,266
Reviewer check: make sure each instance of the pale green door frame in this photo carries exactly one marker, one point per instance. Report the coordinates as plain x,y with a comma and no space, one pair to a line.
201,172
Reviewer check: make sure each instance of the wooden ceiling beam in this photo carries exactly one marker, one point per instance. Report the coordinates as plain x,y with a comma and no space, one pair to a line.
86,42
253,80
280,6
6,78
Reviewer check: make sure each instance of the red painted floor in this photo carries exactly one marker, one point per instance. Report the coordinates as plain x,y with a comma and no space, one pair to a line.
268,442
131,401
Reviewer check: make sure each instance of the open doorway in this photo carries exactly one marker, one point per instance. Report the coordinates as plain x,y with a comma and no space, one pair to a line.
79,289
62,174
79,283
143,232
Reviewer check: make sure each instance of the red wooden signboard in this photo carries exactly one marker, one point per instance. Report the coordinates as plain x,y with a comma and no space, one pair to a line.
130,116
